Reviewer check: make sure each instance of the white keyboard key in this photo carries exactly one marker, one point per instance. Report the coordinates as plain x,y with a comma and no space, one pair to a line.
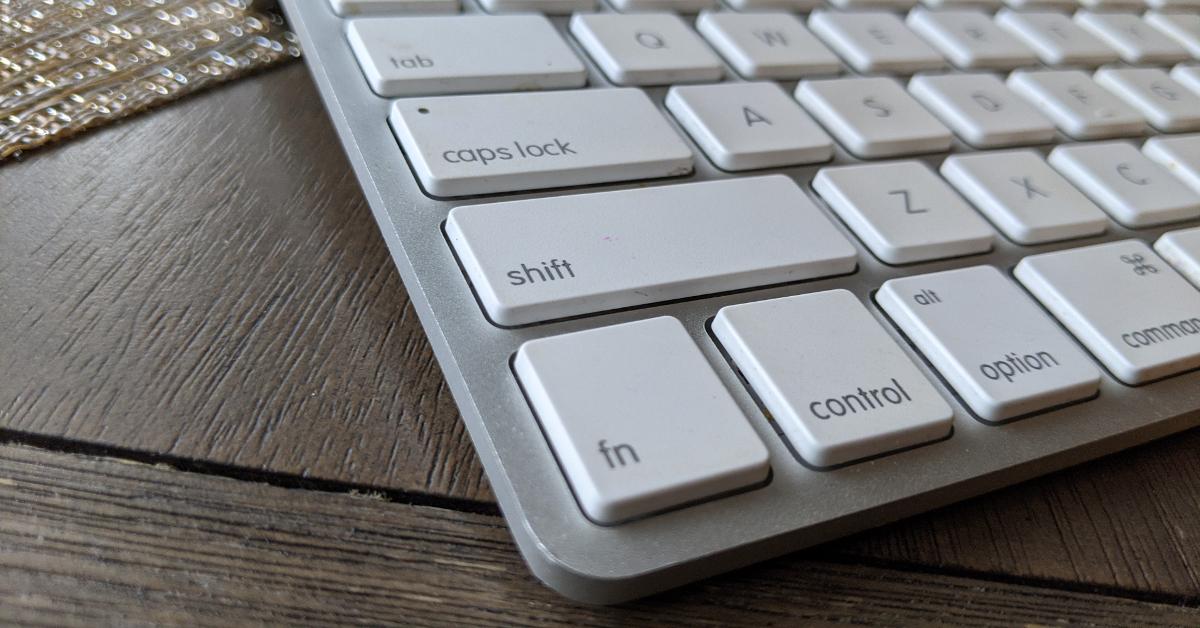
1023,363
837,385
1135,40
645,49
856,5
547,258
1055,38
773,5
411,56
1023,196
1132,6
637,419
874,42
489,143
767,45
742,126
1042,5
873,117
1133,189
1174,4
1126,305
970,39
351,8
549,7
1179,155
1182,249
1184,28
1187,75
903,212
986,5
682,6
981,109
1167,105
1076,104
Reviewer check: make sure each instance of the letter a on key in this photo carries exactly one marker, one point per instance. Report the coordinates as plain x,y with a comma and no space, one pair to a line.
753,117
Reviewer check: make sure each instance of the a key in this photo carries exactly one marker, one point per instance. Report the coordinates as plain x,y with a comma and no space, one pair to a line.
1135,40
970,40
742,126
1184,28
489,143
410,56
645,48
1023,196
1022,364
767,45
681,6
1055,38
548,258
1182,249
873,117
1076,104
1179,155
1133,189
549,7
351,8
1139,317
773,5
837,385
1187,75
1166,104
903,212
874,42
981,109
637,419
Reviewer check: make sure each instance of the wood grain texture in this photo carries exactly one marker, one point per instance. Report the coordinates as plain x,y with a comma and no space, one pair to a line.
206,282
86,541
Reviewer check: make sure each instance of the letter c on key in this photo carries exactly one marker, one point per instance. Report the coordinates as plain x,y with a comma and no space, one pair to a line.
653,41
1126,172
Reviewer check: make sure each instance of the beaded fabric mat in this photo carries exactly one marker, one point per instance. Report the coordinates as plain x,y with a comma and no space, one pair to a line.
70,65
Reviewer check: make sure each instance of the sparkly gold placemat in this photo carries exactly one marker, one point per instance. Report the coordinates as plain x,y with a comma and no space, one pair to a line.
69,65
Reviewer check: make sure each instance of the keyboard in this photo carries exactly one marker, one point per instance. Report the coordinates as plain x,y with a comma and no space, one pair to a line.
715,283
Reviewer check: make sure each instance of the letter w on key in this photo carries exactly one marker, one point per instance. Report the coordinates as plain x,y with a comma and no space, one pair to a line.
771,38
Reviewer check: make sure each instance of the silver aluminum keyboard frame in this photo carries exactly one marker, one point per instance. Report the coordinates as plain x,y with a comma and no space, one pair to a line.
800,506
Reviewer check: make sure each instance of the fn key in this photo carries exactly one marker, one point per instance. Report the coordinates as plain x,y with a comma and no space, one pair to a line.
638,419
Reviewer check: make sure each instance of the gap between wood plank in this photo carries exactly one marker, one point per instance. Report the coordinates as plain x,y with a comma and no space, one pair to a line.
827,554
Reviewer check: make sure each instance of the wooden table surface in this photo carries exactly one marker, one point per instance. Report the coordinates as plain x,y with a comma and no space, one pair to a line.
217,407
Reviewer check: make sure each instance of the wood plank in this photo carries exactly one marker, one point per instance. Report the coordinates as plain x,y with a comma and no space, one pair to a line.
1129,521
206,282
86,540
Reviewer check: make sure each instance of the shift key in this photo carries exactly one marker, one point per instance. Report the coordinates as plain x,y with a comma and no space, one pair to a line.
549,258
492,143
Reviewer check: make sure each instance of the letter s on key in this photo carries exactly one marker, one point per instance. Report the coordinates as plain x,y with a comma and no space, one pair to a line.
881,110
